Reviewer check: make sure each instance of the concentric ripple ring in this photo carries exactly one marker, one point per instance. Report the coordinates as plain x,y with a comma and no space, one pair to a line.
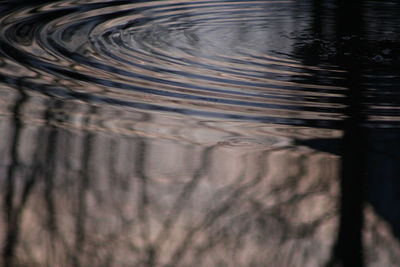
222,59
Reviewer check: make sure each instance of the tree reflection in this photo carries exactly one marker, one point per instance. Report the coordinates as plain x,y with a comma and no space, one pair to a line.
106,199
15,195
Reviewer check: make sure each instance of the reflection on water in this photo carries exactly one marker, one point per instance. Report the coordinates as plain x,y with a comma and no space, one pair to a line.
91,192
147,190
207,133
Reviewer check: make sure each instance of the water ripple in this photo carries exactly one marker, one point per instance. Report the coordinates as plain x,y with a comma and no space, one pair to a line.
221,59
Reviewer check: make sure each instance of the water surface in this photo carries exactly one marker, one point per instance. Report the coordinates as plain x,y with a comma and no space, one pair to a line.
197,133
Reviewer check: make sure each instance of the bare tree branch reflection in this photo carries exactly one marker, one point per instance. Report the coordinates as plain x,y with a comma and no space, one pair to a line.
115,200
14,201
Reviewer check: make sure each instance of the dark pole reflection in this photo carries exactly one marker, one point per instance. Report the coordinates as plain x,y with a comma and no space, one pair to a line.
349,27
349,24
341,23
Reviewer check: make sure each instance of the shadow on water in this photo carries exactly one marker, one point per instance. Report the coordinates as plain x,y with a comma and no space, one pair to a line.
84,184
344,35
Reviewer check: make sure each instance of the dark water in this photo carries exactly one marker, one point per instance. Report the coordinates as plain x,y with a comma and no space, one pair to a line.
199,133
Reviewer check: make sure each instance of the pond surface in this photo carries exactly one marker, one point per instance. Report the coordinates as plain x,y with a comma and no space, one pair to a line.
199,133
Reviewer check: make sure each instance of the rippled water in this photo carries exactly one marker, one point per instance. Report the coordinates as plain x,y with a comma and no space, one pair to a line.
195,133
216,59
